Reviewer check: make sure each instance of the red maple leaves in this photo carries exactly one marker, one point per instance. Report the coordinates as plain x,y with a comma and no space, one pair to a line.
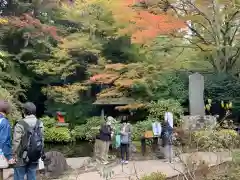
35,27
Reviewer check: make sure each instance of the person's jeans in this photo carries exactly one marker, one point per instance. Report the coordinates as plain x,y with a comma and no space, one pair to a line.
168,152
97,149
104,149
28,170
124,151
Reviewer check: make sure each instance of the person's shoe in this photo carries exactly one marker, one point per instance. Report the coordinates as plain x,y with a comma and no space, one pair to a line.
105,162
126,162
122,161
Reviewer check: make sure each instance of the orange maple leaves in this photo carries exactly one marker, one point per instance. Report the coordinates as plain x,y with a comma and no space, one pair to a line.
145,26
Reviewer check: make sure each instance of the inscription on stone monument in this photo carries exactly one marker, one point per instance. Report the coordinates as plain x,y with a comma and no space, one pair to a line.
196,94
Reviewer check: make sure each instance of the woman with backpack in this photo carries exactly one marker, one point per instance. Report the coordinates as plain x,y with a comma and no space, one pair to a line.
125,139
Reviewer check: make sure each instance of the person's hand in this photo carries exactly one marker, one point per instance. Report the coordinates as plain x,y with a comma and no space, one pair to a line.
12,161
43,157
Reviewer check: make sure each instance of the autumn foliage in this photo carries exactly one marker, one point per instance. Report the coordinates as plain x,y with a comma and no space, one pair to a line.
144,25
35,27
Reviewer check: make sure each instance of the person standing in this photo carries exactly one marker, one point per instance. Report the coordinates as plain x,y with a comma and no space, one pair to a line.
166,135
5,132
105,139
125,138
27,143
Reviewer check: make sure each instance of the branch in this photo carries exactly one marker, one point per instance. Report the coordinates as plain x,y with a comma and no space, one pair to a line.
233,36
200,13
198,34
235,57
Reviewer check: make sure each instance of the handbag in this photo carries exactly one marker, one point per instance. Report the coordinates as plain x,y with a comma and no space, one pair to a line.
118,141
3,161
40,164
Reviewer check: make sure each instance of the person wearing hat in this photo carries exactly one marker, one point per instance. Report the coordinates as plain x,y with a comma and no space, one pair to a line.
5,132
29,121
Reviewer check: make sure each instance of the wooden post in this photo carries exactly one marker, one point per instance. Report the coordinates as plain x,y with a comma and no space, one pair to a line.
102,113
143,145
1,174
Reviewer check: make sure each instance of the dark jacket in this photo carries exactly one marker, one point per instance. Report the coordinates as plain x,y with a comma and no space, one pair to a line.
105,133
166,134
5,137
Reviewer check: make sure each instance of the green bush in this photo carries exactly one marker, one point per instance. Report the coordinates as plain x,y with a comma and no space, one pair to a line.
158,109
223,87
154,176
48,122
89,130
139,129
15,113
58,135
215,140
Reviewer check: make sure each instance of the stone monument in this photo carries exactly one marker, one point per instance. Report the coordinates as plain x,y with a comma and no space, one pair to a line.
197,119
196,94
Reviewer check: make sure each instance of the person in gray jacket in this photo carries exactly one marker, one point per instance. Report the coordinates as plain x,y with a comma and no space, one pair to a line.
22,168
125,137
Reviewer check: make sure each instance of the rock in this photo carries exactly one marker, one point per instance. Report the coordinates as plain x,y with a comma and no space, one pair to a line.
133,148
199,122
76,163
55,164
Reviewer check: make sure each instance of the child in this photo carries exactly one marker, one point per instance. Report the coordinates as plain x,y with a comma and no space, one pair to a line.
125,140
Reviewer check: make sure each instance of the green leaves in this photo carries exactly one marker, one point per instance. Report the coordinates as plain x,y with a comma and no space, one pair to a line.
58,134
158,109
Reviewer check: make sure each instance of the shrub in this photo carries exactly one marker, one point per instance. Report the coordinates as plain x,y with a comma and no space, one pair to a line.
89,130
58,135
139,129
158,109
48,122
15,113
215,140
154,176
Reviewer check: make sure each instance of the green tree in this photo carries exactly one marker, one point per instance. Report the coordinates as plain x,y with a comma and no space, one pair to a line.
213,28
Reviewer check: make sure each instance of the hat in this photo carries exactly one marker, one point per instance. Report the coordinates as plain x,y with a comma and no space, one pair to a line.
29,108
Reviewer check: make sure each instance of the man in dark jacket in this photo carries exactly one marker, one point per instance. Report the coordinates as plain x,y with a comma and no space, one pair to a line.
167,135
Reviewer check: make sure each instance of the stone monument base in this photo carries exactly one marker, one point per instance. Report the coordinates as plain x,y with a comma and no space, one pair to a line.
198,122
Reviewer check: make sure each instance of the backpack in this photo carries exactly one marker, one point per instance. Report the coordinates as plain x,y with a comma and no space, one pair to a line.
32,142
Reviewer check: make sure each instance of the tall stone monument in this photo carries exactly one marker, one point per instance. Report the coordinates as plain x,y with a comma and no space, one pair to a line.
197,119
196,94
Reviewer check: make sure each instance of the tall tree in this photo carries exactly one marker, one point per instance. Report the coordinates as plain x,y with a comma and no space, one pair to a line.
213,27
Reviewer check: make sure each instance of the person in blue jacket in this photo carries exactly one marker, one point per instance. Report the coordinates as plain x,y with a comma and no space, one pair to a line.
5,131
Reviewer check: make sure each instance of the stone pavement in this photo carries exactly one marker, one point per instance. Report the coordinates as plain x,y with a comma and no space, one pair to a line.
140,168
